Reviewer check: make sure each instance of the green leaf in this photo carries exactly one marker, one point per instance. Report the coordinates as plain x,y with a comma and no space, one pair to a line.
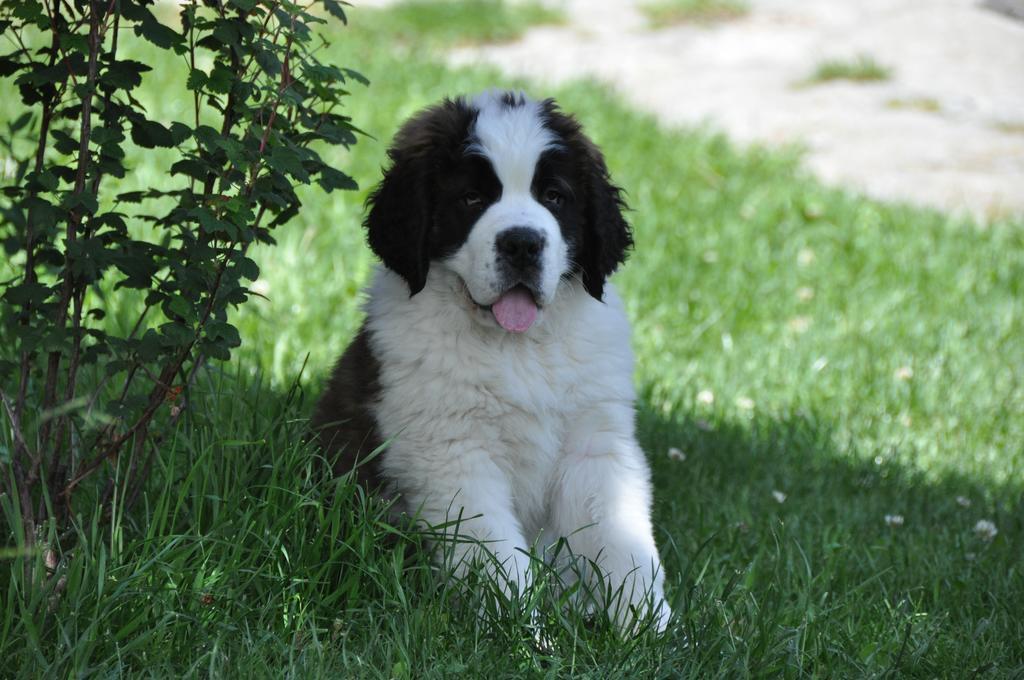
287,161
156,33
226,31
44,214
331,179
234,151
220,79
20,122
105,135
191,167
131,196
135,260
149,346
197,79
178,306
179,132
7,368
79,202
75,42
220,330
149,134
65,143
269,62
333,8
247,268
38,75
211,224
216,350
41,181
177,334
113,220
25,293
87,258
356,76
9,65
124,75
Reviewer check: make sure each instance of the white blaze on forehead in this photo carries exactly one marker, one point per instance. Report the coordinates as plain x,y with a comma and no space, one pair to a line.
512,138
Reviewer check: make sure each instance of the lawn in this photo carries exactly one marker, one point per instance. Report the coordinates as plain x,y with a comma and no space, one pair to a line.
845,379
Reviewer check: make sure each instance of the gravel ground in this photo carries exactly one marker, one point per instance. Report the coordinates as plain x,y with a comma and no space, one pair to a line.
945,130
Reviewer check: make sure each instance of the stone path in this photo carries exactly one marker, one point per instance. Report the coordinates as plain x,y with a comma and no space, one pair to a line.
946,130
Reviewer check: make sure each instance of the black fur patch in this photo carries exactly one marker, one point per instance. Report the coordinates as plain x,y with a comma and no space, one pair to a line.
343,421
598,235
432,194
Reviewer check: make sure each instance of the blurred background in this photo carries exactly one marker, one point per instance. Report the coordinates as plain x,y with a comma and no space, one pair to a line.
920,100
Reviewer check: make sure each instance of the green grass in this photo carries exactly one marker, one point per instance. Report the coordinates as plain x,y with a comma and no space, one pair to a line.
774,322
862,69
661,13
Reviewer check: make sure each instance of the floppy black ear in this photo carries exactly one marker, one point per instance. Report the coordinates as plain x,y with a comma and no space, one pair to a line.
398,222
607,236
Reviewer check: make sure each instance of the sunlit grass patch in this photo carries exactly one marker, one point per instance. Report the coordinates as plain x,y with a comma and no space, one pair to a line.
926,104
862,69
448,23
1013,127
661,13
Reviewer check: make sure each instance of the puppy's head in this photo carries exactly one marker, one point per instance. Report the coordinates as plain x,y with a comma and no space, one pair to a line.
507,194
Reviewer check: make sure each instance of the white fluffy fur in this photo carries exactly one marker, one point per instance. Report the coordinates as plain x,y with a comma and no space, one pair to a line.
528,437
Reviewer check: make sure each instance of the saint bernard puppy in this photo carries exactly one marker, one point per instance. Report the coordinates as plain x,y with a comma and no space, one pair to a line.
495,359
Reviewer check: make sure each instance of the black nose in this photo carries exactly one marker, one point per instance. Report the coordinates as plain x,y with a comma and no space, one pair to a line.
520,247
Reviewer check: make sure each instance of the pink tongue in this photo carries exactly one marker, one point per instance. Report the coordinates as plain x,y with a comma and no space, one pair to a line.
515,311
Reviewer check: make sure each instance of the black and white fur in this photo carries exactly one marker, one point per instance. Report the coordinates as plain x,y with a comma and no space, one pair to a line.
528,436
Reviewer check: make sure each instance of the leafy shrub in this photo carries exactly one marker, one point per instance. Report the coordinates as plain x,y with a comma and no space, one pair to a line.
85,397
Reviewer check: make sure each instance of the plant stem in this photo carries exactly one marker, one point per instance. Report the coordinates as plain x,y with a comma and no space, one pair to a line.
69,294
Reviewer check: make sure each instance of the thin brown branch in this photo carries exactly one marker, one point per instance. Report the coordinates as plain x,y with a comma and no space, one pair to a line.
285,82
58,469
112,54
69,293
30,245
197,93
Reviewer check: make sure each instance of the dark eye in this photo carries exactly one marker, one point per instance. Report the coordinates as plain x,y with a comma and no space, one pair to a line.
472,199
553,197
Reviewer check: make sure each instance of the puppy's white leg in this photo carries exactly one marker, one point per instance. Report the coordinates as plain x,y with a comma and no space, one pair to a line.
473,502
602,502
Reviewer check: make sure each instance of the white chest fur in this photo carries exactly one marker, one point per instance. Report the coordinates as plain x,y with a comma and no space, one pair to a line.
452,387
